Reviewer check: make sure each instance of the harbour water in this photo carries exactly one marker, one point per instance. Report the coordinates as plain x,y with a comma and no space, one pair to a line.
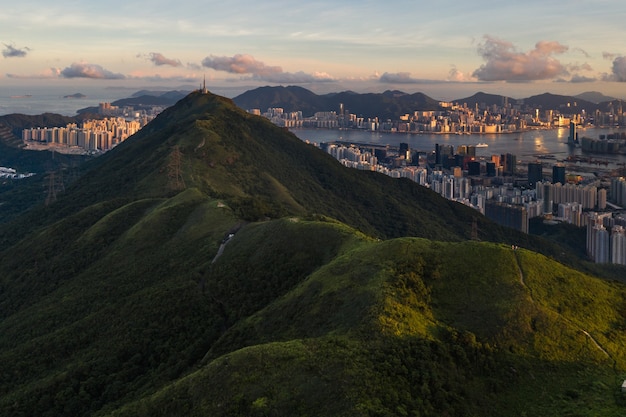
529,146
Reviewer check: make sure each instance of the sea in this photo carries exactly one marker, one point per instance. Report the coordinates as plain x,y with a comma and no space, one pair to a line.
545,145
34,101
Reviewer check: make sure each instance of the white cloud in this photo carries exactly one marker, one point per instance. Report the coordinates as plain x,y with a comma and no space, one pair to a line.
85,70
46,74
505,63
619,69
246,64
402,78
158,59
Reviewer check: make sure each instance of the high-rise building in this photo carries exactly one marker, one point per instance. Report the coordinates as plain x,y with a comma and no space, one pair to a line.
572,139
473,168
509,164
601,199
546,193
535,173
618,191
558,174
442,153
601,245
618,245
509,215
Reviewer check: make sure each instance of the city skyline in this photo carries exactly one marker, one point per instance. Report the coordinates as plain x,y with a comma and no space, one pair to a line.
445,49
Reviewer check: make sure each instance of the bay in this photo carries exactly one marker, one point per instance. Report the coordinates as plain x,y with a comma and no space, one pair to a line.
528,146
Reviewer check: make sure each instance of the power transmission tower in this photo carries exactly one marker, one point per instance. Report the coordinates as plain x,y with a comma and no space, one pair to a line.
55,186
474,228
174,171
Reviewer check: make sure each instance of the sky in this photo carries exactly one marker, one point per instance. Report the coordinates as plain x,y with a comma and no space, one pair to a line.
445,49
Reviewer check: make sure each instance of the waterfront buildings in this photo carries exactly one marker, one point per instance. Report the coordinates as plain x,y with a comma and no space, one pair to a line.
482,185
92,135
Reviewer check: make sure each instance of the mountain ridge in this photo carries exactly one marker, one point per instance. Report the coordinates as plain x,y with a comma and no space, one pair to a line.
392,105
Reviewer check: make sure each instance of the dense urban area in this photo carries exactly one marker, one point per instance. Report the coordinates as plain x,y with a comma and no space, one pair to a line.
495,186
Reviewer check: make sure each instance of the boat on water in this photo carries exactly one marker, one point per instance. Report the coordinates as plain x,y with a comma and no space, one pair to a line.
482,145
24,96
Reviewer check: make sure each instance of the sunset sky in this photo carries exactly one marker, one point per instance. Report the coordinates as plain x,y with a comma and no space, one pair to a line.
445,49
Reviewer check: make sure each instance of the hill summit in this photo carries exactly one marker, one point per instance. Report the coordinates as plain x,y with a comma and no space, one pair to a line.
214,264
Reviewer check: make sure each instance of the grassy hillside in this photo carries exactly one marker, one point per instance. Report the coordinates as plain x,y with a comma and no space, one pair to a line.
403,333
137,316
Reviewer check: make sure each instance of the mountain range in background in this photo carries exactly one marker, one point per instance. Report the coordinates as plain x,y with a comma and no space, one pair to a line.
393,104
215,264
387,105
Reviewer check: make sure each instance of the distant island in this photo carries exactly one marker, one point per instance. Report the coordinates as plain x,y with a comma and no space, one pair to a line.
76,95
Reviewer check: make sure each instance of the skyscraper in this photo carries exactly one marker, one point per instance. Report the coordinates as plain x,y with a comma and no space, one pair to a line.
509,215
535,173
601,247
572,139
510,164
618,191
473,168
618,245
558,174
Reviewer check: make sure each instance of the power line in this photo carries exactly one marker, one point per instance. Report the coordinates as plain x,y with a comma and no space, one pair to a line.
174,170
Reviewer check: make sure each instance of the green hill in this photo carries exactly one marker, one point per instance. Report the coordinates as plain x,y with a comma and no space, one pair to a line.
362,337
214,264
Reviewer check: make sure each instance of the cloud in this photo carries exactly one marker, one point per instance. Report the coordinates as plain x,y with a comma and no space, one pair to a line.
10,51
618,69
581,67
582,51
239,64
159,59
159,78
47,74
455,75
504,63
299,77
576,79
401,78
608,55
244,64
582,79
84,70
